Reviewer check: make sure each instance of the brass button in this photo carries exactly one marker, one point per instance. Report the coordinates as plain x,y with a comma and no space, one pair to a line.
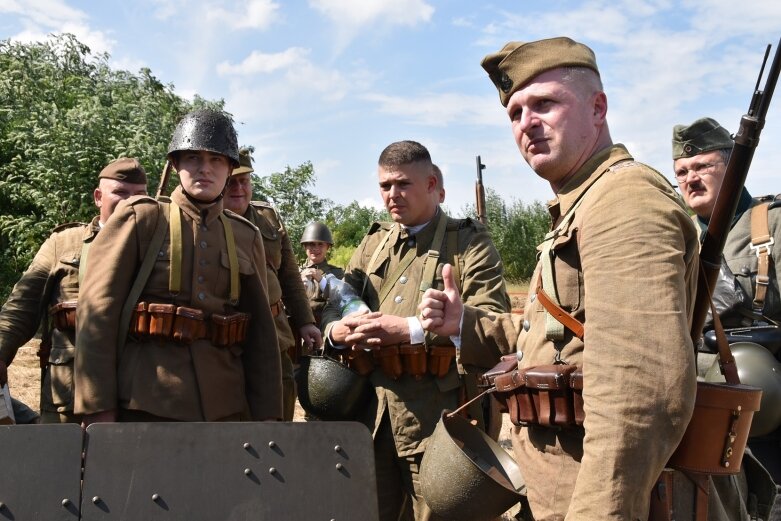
200,279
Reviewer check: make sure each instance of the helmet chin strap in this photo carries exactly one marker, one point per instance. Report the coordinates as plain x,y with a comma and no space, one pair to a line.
198,201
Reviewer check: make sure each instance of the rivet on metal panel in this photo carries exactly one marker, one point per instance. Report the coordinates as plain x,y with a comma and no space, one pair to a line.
339,466
247,445
155,496
247,471
338,448
272,470
66,502
271,445
96,499
2,505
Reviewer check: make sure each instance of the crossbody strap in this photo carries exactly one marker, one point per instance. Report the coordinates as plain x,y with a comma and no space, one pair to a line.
233,259
761,243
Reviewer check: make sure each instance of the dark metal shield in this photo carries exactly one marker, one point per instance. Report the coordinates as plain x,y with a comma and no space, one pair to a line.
40,472
229,471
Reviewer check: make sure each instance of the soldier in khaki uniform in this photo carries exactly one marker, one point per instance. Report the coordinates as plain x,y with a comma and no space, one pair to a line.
390,269
622,261
50,286
285,291
201,343
700,153
317,240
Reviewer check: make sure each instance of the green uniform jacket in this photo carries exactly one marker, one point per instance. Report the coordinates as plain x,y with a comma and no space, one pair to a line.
284,282
626,267
414,406
742,261
52,277
190,383
317,299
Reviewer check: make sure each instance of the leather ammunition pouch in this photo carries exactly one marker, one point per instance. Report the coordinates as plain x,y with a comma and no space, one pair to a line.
64,315
413,360
439,360
389,360
546,395
184,325
359,360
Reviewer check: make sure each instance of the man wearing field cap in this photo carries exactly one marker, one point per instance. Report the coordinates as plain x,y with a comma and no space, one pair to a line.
747,291
47,294
623,253
285,289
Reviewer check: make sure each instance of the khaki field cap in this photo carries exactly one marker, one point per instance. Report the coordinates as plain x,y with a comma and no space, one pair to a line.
702,136
245,163
518,62
125,169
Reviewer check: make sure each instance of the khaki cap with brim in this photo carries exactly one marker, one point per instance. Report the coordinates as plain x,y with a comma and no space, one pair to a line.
704,135
126,169
518,63
245,163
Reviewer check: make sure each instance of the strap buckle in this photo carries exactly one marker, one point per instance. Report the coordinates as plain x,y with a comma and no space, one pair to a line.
761,248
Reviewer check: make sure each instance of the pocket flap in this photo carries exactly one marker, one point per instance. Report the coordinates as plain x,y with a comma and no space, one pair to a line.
549,377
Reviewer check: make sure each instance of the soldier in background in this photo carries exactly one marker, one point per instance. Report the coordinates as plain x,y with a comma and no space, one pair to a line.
316,241
388,269
46,295
750,288
285,290
201,344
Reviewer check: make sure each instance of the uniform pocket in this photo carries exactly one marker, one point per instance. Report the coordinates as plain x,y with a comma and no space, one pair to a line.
57,388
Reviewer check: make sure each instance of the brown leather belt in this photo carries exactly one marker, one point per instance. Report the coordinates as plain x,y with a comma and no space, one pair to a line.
410,359
64,315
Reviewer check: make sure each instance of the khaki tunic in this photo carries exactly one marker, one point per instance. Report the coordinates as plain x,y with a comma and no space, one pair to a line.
626,267
51,278
189,383
317,299
414,406
284,281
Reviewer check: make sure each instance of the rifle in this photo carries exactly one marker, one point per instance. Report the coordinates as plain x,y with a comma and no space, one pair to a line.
164,179
480,193
746,141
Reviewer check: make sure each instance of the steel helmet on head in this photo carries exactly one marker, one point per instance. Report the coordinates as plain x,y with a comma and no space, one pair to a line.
208,130
317,232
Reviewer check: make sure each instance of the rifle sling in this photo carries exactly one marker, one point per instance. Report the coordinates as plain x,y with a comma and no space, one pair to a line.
761,241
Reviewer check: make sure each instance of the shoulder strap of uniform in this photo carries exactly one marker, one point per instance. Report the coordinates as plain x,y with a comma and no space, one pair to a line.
761,244
65,226
143,275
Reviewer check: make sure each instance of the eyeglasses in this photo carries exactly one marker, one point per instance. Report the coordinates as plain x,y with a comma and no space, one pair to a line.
701,169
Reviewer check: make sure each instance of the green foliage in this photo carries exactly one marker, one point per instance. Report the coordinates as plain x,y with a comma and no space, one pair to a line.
350,223
341,255
516,230
297,204
65,114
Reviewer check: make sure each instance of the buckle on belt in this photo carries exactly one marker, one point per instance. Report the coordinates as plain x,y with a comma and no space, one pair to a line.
764,247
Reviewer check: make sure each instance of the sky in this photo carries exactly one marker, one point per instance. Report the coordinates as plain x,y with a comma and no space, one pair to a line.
335,81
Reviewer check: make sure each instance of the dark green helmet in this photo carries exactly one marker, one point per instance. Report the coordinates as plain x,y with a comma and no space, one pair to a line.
317,232
207,130
757,367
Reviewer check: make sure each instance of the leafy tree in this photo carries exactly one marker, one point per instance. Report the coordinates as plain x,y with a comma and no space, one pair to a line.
65,114
350,223
291,192
516,230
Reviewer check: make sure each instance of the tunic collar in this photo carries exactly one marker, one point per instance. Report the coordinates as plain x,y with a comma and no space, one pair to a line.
207,213
585,177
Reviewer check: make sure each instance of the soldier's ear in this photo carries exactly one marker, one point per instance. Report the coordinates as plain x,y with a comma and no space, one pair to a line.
97,195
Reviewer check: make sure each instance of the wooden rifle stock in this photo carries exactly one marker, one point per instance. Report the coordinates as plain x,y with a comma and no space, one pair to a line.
480,193
164,179
746,141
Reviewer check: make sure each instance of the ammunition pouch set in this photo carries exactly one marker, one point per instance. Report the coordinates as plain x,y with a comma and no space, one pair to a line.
546,395
64,315
413,360
184,325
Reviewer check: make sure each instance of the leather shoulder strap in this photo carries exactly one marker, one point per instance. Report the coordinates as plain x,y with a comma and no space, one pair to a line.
761,243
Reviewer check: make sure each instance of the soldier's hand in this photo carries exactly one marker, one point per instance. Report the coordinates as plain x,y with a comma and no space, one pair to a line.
441,311
346,325
311,336
380,331
3,373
